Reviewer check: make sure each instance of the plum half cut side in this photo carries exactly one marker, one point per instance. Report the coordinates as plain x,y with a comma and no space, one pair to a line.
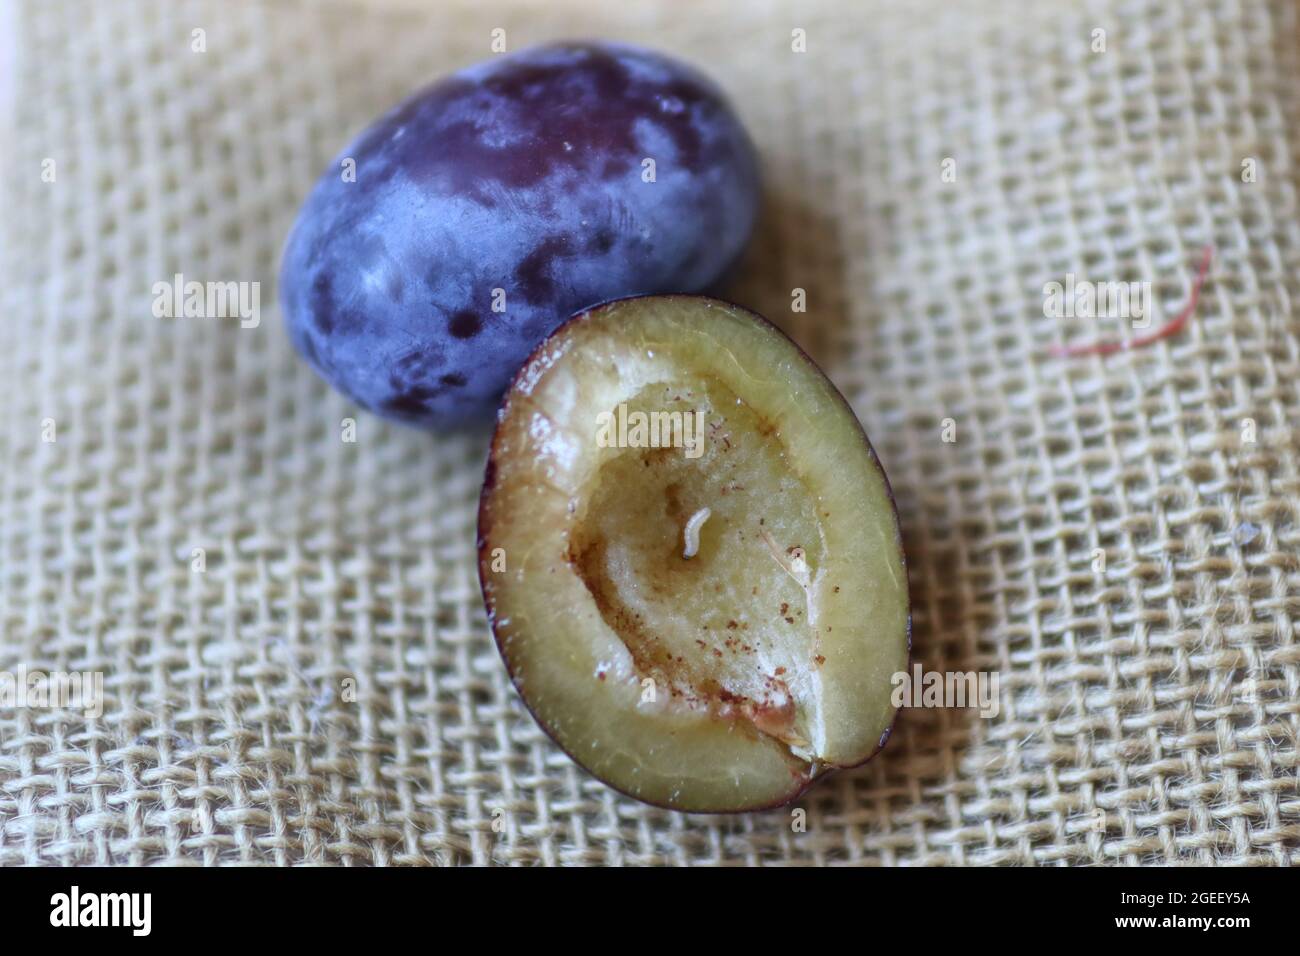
691,558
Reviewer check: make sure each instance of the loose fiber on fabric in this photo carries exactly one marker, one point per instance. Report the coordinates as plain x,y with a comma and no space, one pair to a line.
1102,532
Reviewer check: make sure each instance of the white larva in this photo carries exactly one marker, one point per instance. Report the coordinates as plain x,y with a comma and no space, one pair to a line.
692,532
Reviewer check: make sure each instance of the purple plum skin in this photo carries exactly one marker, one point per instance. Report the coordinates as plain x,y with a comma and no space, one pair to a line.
516,182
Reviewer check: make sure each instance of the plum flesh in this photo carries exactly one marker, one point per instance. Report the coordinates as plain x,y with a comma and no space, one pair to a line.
705,631
489,207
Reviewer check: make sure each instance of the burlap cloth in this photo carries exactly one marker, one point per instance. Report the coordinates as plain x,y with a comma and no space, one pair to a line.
1161,690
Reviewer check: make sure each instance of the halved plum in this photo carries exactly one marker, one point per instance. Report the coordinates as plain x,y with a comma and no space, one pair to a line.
690,556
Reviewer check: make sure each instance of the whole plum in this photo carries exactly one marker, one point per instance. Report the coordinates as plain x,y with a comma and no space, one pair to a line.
465,225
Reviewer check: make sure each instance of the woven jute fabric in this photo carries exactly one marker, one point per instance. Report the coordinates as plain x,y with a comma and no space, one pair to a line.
297,666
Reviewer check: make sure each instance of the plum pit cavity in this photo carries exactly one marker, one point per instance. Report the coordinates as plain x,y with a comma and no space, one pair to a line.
725,628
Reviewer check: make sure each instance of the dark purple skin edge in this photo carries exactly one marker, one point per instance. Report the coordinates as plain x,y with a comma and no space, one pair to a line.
484,528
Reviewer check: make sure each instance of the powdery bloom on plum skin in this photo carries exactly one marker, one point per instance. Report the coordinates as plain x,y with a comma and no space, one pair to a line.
514,184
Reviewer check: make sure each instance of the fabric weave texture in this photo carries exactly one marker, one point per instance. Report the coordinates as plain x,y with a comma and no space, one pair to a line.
1117,537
